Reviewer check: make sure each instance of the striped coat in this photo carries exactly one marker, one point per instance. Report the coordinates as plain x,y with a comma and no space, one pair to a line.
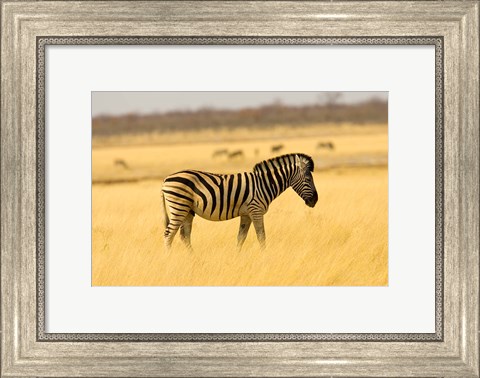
247,195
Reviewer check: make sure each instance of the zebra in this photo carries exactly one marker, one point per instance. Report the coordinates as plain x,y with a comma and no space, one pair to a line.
247,195
327,145
277,147
220,152
121,163
236,154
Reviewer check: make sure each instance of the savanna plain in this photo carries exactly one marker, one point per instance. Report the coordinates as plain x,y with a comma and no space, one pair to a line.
342,241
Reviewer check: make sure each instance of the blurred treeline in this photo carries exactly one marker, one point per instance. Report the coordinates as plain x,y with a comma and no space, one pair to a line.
263,117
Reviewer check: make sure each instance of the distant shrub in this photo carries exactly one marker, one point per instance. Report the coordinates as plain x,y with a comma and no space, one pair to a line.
372,111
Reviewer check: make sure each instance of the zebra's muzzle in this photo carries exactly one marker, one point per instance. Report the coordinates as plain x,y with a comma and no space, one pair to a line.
310,202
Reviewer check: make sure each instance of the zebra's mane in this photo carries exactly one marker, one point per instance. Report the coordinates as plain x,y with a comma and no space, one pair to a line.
258,166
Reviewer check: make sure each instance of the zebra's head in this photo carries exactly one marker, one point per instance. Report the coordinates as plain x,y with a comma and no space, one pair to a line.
302,179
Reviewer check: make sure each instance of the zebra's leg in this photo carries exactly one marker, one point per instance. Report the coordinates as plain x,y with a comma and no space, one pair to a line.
260,230
245,223
186,230
176,220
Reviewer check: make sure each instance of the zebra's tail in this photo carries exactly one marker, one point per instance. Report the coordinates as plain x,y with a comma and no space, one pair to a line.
164,212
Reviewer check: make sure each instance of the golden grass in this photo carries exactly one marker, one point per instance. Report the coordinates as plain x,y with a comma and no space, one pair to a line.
342,241
367,146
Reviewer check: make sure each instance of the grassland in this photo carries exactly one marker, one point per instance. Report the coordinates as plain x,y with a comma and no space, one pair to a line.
343,241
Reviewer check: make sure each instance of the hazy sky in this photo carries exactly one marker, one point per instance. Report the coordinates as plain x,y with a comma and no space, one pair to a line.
118,103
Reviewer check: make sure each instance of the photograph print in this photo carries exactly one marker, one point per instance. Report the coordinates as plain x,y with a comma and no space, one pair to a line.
239,188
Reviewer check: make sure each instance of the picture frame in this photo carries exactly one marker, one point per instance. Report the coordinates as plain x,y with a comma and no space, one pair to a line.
27,351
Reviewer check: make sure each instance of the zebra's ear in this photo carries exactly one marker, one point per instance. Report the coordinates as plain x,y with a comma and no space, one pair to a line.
299,162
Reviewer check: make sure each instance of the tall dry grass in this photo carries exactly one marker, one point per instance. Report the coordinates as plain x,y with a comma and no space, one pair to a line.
342,241
365,145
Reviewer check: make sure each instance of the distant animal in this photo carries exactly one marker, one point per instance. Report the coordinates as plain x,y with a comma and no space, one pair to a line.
236,154
257,151
277,147
246,195
220,152
121,163
326,145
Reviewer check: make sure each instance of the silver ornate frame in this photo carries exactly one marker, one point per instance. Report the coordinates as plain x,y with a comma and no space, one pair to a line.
27,27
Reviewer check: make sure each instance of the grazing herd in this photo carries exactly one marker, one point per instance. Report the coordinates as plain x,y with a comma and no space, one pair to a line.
274,149
239,154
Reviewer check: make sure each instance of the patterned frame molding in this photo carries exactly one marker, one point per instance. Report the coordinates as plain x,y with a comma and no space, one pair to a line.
437,42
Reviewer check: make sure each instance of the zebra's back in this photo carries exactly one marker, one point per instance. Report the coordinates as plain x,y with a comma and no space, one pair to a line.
211,196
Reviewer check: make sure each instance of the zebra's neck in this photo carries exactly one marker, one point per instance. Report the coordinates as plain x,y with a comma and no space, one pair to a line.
273,178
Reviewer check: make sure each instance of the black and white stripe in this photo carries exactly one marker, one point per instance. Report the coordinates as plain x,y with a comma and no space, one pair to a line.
247,195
